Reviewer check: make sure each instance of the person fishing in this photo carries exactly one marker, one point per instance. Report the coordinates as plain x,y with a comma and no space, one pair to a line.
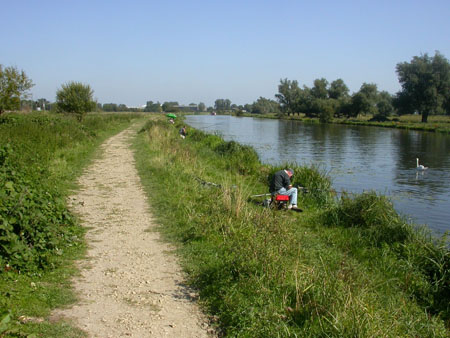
281,184
183,132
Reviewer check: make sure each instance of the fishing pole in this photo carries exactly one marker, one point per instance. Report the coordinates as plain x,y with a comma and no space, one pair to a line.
307,190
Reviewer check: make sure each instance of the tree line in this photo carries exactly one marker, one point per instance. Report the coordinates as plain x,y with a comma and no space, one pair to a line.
425,90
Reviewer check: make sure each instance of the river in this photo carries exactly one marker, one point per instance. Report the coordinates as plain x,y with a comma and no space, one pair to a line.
357,158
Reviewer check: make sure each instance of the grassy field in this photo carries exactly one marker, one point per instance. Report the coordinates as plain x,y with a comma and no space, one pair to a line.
41,155
348,267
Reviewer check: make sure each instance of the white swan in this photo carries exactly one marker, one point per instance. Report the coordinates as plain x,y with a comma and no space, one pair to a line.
419,166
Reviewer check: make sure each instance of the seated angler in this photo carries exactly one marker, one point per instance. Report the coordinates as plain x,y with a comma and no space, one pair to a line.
281,184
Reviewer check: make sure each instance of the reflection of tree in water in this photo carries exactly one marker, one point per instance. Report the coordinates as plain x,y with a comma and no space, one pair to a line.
331,143
317,142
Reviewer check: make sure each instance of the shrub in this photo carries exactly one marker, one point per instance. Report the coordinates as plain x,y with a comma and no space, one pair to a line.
34,222
75,98
374,214
241,157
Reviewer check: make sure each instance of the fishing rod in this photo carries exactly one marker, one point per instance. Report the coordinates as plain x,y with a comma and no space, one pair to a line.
269,194
303,189
307,190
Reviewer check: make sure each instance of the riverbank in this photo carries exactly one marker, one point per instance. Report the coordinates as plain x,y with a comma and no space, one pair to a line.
351,267
436,123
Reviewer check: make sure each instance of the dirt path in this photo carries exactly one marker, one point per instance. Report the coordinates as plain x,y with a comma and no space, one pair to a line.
130,285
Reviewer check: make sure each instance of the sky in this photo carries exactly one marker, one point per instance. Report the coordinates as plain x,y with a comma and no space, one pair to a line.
130,52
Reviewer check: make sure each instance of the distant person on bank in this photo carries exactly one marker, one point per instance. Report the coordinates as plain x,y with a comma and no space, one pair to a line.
183,132
281,184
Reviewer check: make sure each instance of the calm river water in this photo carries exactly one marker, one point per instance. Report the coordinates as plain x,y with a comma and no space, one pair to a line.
356,158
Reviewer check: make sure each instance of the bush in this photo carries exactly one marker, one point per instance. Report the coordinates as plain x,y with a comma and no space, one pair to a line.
75,98
34,222
374,214
242,158
40,154
379,118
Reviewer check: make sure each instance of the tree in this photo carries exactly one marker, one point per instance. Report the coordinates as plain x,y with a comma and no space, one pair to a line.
384,104
327,109
288,96
201,106
320,89
265,106
364,101
110,107
222,104
75,98
122,107
14,86
170,106
44,104
153,107
248,107
425,84
338,90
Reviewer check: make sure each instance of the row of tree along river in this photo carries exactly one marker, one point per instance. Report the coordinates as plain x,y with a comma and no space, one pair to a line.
357,158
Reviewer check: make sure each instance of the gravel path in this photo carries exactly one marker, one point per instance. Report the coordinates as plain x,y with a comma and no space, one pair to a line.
130,284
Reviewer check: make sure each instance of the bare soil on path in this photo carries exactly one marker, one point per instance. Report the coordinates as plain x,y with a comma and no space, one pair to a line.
130,285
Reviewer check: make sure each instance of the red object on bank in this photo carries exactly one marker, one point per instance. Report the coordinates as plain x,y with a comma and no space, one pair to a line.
282,198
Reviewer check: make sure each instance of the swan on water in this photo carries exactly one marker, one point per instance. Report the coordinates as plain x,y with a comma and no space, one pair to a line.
419,166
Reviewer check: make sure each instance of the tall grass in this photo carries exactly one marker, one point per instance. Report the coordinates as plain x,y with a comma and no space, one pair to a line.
265,273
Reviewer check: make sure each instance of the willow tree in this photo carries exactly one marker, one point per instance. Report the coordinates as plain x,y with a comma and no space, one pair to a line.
425,84
288,96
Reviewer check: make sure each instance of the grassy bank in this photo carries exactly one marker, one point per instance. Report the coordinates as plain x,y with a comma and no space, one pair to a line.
40,157
348,267
440,124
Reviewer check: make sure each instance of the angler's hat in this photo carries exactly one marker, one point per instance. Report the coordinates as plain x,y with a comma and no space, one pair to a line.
292,171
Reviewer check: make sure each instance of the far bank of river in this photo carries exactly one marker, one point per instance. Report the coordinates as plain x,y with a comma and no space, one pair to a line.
358,158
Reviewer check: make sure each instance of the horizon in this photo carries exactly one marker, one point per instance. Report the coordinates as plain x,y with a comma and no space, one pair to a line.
191,52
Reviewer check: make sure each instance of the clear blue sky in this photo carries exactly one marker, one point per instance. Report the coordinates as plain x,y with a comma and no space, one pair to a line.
198,51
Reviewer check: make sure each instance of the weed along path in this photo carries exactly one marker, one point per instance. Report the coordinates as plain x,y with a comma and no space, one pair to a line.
130,284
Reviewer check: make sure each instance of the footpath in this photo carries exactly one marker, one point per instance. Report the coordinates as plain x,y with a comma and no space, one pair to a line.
130,284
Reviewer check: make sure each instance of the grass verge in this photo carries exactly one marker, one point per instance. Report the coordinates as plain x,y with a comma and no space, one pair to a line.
348,267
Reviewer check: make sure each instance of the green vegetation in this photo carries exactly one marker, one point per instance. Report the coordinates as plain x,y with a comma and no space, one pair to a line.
40,157
75,98
14,86
343,267
425,85
425,90
436,123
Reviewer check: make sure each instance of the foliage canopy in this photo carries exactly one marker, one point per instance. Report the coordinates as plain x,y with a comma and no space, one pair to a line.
425,85
14,86
75,98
